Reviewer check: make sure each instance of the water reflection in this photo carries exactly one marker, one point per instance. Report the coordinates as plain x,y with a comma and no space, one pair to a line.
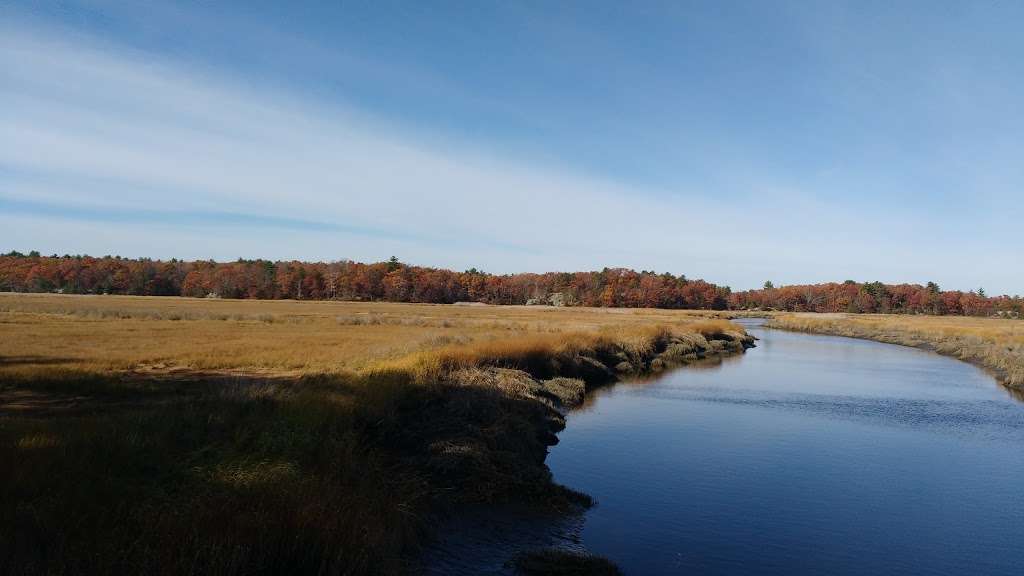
483,540
808,455
706,365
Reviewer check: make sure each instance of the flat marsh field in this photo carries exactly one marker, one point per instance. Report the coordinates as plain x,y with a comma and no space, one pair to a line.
193,436
150,335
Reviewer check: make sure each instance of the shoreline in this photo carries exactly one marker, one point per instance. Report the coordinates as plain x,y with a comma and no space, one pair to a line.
556,386
1006,370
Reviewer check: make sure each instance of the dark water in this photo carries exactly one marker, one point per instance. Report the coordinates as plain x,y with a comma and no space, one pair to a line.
808,455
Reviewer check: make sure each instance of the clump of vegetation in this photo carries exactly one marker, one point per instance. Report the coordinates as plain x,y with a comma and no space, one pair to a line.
198,445
560,562
993,343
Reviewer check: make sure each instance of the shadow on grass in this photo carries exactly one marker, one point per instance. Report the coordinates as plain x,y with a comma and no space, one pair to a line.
319,475
236,477
34,360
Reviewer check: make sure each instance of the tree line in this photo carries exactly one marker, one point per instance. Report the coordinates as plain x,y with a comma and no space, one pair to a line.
395,281
391,281
876,297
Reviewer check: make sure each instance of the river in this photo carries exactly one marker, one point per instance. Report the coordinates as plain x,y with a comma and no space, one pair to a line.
807,455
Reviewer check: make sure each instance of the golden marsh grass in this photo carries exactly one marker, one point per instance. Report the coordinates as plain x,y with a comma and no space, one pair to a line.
175,435
122,333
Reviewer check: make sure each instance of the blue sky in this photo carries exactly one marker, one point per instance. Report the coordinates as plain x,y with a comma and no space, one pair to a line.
797,142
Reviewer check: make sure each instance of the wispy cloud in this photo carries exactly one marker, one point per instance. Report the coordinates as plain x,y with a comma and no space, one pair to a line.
104,146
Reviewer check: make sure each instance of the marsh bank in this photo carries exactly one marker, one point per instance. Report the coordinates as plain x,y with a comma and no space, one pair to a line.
482,433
